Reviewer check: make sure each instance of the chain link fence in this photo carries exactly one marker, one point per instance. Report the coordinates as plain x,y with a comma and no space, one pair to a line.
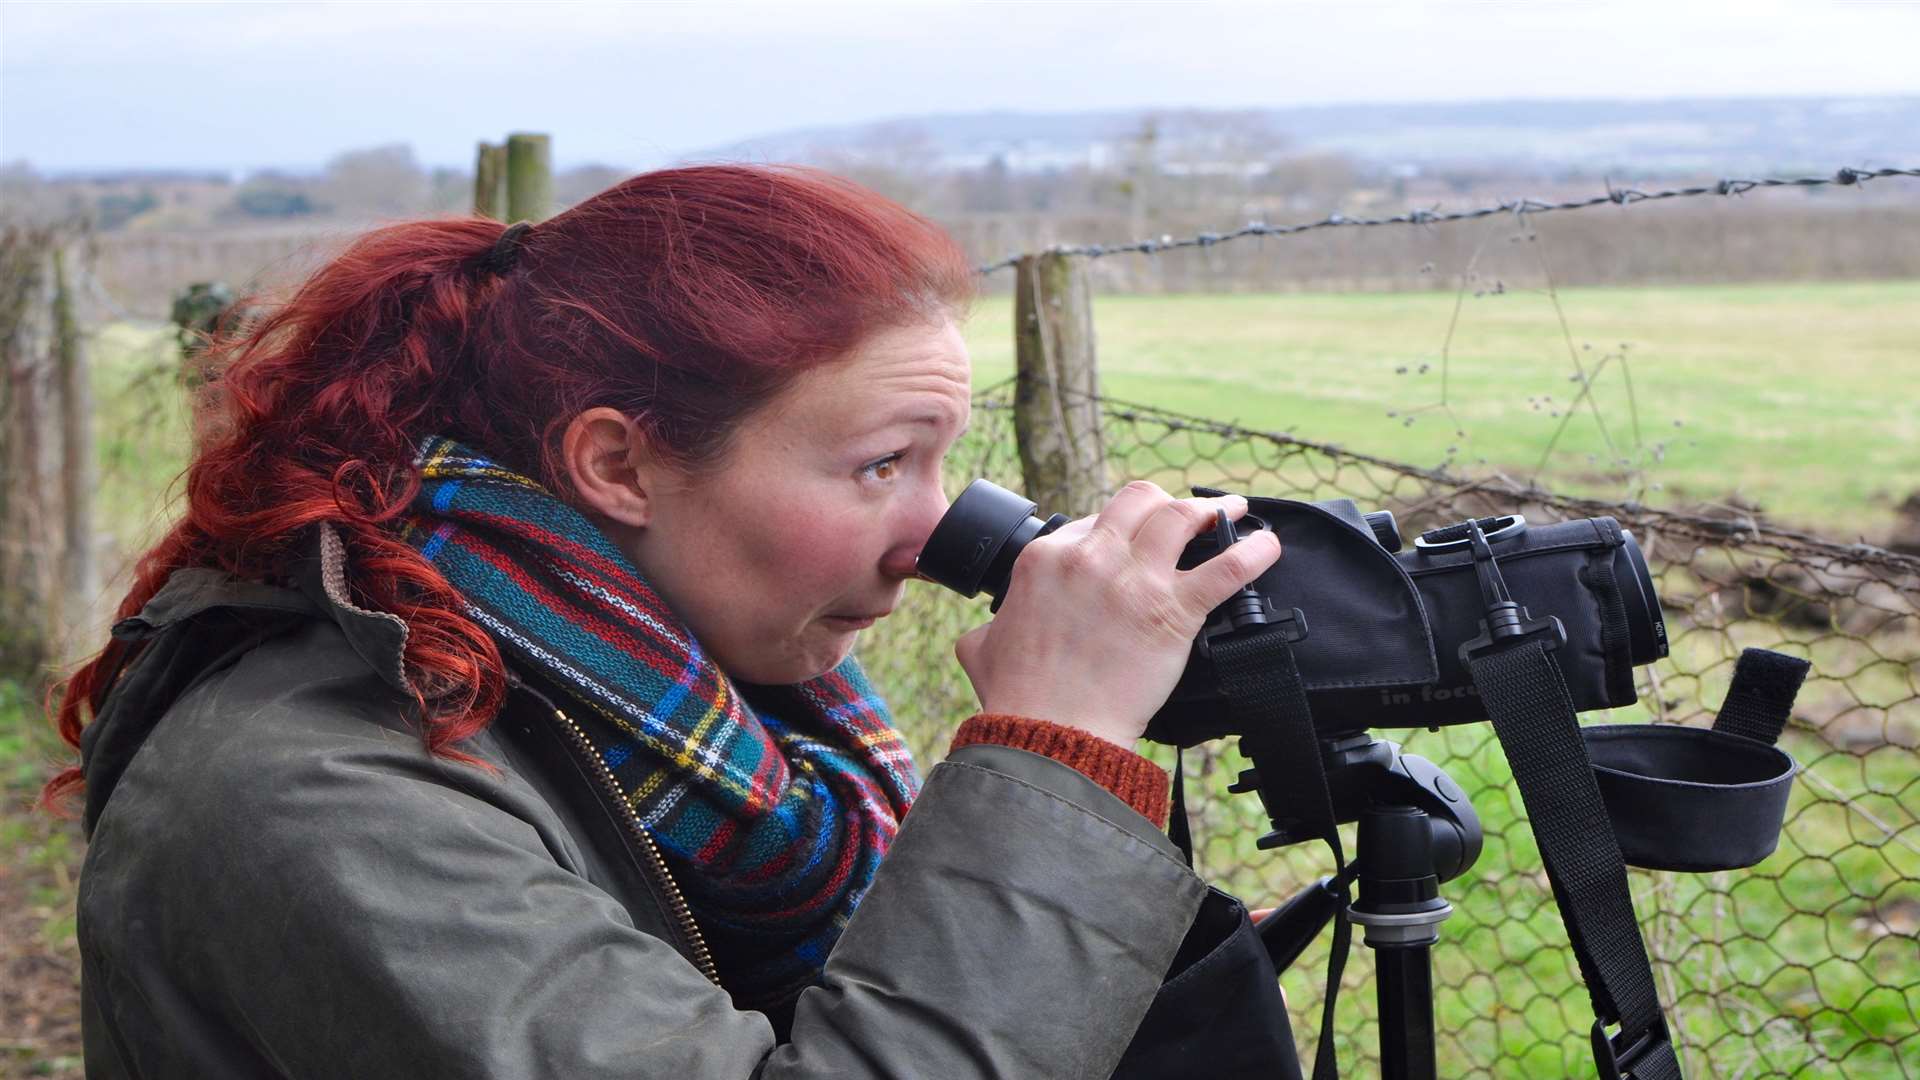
1805,965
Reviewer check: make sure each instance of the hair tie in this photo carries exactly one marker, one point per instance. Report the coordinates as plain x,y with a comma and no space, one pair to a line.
504,255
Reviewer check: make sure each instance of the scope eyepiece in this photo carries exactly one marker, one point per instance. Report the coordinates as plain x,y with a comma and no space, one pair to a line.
973,548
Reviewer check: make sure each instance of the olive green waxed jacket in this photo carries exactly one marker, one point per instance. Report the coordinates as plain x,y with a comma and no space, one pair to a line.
282,882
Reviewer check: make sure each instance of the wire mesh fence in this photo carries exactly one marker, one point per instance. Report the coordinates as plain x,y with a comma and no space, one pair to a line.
1805,965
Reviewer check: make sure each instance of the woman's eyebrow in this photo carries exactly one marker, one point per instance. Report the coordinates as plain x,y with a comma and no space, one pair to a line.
933,419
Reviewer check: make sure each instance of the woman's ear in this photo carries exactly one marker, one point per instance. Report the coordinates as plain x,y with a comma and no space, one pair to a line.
612,468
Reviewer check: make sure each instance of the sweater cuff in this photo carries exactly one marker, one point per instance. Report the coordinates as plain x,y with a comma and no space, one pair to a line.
1136,781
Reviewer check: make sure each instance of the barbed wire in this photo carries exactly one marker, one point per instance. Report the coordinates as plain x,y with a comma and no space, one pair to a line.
97,292
1622,196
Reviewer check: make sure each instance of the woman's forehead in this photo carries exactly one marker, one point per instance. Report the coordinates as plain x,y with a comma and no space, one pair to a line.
901,374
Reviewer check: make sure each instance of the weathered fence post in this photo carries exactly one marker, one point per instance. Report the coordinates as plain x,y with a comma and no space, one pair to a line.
529,178
1056,410
490,182
79,578
28,454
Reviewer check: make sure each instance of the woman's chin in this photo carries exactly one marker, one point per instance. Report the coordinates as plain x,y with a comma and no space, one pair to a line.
834,656
808,660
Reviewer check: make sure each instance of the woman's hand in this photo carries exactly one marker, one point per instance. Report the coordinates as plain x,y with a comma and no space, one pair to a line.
1097,621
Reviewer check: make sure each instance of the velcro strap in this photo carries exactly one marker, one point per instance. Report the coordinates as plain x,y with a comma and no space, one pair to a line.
1761,698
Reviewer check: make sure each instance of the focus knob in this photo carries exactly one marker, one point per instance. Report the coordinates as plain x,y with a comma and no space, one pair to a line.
1384,529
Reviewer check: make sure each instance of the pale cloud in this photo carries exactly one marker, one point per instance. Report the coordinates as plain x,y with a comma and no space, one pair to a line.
237,85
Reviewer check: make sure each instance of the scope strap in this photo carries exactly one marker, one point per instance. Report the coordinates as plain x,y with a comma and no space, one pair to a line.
1269,702
1526,697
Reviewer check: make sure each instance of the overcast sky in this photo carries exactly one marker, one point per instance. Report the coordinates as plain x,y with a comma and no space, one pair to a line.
238,86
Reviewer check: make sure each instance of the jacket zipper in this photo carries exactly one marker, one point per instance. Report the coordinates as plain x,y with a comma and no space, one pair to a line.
702,958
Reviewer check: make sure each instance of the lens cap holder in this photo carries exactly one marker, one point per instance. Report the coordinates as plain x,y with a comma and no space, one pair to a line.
1695,799
1679,798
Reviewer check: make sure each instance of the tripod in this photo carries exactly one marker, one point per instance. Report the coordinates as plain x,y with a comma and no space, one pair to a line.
1417,829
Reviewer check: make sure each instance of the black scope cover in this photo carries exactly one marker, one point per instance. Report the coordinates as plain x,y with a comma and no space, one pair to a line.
1385,628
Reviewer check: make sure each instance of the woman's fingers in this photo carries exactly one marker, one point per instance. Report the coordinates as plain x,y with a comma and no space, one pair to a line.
1208,585
1129,508
1072,530
1164,525
1169,529
1097,620
967,649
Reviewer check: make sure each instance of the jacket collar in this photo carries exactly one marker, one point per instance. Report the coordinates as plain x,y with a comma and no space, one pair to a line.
320,580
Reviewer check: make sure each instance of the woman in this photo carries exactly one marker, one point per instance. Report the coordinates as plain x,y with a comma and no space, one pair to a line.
490,710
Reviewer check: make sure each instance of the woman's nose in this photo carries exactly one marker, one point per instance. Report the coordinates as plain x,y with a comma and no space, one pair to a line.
902,557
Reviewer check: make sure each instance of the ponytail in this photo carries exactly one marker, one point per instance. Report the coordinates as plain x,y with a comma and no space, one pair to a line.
313,419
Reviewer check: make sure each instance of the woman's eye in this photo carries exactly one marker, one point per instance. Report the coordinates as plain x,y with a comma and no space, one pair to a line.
885,469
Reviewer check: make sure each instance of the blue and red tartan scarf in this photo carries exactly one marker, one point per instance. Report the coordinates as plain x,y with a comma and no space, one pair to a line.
773,816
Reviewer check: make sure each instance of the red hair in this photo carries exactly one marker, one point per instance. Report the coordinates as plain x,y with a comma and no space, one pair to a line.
686,298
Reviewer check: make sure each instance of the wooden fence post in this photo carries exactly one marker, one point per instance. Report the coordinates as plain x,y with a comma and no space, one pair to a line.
1056,409
79,574
490,182
29,481
529,178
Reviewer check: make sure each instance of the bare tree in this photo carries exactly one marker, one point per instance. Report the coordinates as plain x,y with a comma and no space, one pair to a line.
898,159
384,181
1142,174
582,182
1229,153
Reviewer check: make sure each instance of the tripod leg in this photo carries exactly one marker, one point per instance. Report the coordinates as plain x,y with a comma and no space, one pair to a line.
1404,983
1293,925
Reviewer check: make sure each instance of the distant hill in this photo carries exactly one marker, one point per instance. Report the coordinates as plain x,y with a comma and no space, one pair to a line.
1639,138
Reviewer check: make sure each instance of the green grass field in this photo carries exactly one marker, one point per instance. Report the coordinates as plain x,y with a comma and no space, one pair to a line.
1802,398
1799,398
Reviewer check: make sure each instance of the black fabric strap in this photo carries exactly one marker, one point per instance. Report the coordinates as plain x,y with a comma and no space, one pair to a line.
1270,710
1761,697
1615,636
1526,697
1179,829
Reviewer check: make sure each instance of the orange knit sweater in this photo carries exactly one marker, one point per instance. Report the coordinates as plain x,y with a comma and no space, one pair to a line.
1138,782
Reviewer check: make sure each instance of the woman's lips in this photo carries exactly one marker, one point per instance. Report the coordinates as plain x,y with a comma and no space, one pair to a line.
854,622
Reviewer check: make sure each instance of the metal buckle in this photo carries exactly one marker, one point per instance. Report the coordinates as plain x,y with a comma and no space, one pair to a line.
1616,1062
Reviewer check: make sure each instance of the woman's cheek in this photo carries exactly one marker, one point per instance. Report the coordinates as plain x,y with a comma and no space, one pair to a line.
811,545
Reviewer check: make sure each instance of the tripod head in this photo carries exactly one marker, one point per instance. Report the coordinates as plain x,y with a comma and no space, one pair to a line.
1417,829
1364,772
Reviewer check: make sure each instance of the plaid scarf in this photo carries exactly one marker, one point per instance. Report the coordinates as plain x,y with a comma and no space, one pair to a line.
773,816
